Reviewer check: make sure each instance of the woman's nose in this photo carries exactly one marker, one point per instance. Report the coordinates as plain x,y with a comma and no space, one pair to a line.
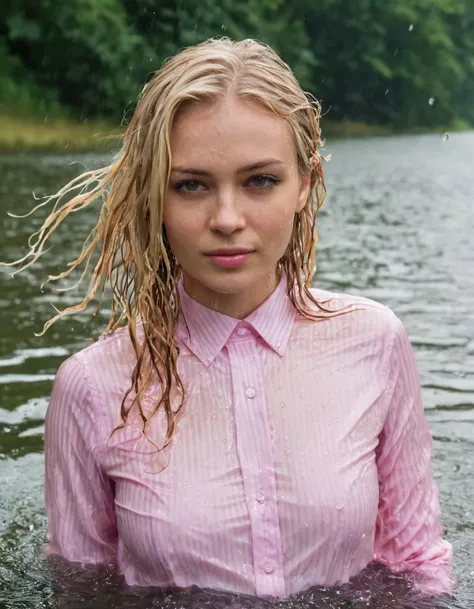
227,214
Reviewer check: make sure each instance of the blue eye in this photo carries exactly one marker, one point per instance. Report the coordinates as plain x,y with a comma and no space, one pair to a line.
264,181
188,186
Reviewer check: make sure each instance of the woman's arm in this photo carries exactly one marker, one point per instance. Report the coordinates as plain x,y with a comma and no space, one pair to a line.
409,532
79,498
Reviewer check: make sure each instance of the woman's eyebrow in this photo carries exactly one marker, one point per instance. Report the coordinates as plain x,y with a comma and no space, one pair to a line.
247,168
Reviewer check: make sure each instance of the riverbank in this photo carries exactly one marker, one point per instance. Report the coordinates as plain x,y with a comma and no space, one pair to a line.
31,134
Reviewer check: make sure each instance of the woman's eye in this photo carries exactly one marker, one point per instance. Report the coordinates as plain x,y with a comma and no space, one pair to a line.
188,186
264,181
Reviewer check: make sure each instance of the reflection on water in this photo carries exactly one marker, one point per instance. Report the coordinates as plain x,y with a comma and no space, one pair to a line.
397,227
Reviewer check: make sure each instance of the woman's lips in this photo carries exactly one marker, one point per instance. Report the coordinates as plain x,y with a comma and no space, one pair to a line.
230,260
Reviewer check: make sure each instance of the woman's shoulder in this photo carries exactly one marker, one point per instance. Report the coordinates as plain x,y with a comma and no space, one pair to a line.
356,313
107,359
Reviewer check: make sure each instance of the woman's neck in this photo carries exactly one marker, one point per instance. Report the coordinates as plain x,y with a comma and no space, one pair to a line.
238,305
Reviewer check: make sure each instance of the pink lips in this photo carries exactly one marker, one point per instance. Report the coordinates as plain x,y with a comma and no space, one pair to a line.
231,260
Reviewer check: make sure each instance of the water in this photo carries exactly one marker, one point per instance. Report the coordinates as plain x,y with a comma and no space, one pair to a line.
397,227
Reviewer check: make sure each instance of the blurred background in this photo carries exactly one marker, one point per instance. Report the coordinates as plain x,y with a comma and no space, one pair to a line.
393,65
397,76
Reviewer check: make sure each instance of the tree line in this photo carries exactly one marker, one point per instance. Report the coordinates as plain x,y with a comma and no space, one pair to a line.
401,63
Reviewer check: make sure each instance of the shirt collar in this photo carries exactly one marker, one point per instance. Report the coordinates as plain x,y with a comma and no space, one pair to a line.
205,332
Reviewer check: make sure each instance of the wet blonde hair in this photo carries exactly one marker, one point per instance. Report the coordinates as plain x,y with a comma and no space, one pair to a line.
128,244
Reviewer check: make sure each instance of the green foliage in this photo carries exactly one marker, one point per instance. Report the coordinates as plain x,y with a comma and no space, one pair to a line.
404,63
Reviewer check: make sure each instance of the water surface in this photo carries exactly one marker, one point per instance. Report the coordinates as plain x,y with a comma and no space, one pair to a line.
397,226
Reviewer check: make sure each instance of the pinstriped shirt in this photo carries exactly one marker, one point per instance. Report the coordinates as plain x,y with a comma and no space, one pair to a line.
301,454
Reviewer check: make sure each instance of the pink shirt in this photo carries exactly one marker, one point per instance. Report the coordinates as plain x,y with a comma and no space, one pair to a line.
302,454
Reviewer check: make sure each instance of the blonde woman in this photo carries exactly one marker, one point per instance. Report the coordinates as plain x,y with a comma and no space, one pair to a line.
234,428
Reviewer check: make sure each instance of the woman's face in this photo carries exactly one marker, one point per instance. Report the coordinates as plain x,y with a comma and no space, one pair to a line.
234,191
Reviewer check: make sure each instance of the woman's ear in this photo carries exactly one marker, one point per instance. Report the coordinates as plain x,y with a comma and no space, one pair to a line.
305,187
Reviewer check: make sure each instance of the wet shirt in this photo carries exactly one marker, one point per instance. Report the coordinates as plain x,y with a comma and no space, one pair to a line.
301,454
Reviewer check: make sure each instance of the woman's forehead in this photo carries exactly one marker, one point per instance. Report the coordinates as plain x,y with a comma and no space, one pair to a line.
231,130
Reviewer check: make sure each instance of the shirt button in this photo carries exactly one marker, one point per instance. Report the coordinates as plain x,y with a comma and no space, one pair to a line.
250,392
268,567
261,497
242,331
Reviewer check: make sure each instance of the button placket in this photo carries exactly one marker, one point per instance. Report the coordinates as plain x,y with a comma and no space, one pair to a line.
255,451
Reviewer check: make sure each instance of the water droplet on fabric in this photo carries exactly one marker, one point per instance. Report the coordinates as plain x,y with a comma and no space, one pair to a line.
431,101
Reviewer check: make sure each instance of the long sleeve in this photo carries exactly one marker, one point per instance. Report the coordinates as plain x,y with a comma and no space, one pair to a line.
408,532
78,497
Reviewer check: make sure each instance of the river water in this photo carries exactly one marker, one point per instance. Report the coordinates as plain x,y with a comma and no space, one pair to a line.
397,227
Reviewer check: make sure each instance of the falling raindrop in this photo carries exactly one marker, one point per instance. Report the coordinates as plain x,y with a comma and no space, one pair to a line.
431,101
445,137
282,404
386,91
410,29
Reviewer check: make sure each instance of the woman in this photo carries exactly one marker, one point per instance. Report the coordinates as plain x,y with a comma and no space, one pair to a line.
235,428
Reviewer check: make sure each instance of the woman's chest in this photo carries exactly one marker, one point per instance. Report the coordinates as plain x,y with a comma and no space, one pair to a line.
298,455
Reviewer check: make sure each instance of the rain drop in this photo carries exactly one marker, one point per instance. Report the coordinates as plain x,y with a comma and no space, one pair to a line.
410,29
445,137
431,101
340,507
282,404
